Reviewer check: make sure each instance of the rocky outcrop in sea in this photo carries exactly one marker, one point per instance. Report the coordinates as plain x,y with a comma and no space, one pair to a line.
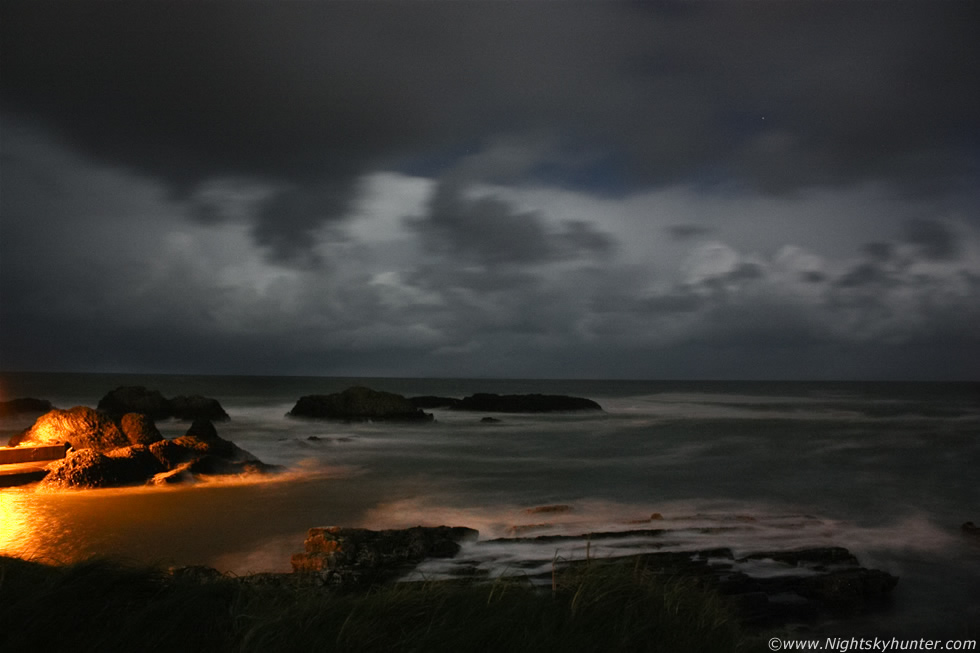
138,399
24,406
359,404
108,453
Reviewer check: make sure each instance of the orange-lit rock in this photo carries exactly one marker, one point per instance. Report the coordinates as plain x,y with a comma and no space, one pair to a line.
360,556
179,474
81,427
106,455
139,429
89,468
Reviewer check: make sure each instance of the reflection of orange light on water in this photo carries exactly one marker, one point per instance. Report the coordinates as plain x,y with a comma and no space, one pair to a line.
17,526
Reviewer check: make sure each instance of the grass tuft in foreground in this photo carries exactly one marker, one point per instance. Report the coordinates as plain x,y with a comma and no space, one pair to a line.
105,606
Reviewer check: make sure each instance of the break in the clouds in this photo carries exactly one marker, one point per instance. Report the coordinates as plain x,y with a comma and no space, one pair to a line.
738,190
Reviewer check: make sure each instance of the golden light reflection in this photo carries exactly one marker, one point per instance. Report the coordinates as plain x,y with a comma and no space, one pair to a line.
18,525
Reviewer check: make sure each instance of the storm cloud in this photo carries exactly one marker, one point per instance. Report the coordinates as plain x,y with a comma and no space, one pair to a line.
758,189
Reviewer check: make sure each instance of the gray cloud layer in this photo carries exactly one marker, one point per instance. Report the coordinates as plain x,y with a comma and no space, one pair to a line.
591,188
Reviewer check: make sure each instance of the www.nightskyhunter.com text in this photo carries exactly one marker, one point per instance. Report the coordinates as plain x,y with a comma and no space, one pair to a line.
842,645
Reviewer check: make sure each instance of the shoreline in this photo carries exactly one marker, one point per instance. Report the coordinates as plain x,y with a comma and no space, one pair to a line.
693,600
105,605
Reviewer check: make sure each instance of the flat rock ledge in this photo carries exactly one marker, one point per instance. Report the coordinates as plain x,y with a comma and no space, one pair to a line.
352,557
798,586
766,588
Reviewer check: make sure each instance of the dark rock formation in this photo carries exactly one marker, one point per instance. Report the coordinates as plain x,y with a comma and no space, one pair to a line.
135,399
139,429
847,591
83,468
359,404
357,556
203,429
81,427
782,595
24,405
431,401
819,558
537,510
202,451
89,468
169,453
138,399
533,403
197,407
803,585
489,420
969,528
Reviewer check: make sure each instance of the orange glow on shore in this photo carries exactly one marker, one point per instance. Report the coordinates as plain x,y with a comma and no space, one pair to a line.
189,523
17,525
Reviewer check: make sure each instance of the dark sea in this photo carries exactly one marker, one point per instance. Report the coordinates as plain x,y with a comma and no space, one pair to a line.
887,470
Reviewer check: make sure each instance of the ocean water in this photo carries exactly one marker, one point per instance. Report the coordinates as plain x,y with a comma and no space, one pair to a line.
888,470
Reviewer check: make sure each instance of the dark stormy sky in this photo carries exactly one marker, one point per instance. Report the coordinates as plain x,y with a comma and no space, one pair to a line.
536,189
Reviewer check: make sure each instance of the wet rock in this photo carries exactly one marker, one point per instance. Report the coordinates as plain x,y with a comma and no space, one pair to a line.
800,588
24,406
359,404
138,399
769,588
202,439
530,403
180,473
431,401
134,464
84,468
489,420
820,557
654,517
195,407
203,429
848,590
969,528
521,530
135,399
112,460
139,429
170,454
219,466
88,468
787,594
561,507
358,556
196,573
81,427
